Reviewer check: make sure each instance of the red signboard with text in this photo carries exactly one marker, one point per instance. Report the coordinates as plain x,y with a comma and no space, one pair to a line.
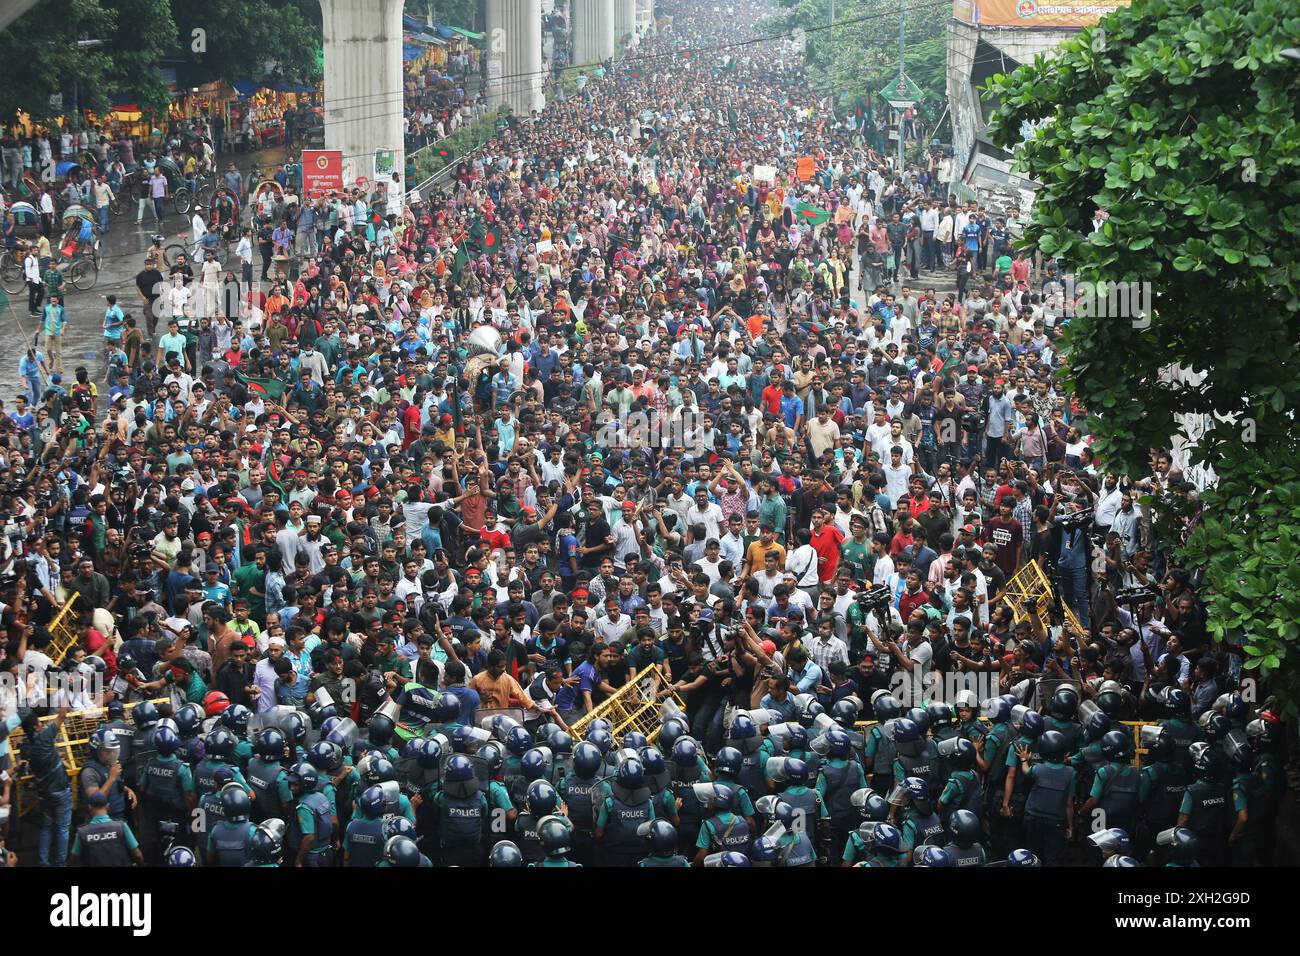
322,172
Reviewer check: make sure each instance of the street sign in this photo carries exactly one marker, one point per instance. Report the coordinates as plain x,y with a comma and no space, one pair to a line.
322,172
385,161
901,92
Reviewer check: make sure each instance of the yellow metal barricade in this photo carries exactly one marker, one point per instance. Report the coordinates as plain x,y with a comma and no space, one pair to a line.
73,746
63,630
1029,588
635,706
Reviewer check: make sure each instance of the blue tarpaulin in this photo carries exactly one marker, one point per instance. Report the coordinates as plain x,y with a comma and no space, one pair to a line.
244,87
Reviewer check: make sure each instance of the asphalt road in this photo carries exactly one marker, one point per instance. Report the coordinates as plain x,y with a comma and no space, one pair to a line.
123,251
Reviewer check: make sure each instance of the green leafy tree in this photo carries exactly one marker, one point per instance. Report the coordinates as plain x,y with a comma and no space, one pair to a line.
45,60
254,39
458,13
1179,119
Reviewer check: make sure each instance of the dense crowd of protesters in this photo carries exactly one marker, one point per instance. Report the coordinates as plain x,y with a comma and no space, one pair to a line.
385,529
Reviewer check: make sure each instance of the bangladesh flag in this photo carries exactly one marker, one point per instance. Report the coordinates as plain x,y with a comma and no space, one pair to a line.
461,263
484,237
268,388
810,215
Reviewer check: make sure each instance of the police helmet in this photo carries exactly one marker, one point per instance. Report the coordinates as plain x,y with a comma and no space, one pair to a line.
995,710
1111,703
145,714
765,851
1121,862
379,770
554,835
533,764
235,804
270,744
729,761
838,743
1111,840
871,805
166,742
940,714
785,814
304,777
885,705
181,856
630,773
1214,726
380,729
104,739
1065,701
906,731
1177,702
458,778
397,825
189,719
798,737
660,836
634,740
1096,726
743,734
845,712
505,854
193,751
235,718
1115,745
1032,725
587,759
1022,858
932,856
796,771
1053,745
448,707
672,729
267,840
294,726
965,827
560,742
886,836
1239,752
921,717
960,753
601,739
1207,760
326,757
542,798
429,756
733,858
372,802
599,723
724,797
402,851
518,741
1160,745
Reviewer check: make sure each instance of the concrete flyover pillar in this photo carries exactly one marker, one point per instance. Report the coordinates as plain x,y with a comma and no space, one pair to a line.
363,83
514,55
624,19
593,31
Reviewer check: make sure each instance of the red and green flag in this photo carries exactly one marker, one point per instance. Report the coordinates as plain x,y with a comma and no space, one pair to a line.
269,388
809,215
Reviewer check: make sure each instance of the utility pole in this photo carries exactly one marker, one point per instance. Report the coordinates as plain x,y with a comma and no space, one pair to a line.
902,41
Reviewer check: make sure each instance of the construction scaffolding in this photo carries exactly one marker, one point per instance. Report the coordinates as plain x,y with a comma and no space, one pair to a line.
635,706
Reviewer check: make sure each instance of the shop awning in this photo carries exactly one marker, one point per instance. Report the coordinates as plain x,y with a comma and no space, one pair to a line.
467,34
244,87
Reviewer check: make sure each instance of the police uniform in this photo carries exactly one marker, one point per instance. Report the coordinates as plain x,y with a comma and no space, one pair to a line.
93,776
924,765
920,828
269,782
840,777
1249,793
722,832
228,841
810,812
1116,787
1050,793
691,814
1161,786
363,842
163,786
1206,803
579,797
962,792
460,827
880,753
312,816
530,847
556,862
795,849
619,816
103,841
973,855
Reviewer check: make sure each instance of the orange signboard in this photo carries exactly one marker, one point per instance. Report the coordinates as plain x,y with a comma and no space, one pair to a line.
806,168
322,172
1035,14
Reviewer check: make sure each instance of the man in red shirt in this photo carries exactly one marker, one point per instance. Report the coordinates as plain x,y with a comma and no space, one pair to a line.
493,536
826,540
772,392
913,596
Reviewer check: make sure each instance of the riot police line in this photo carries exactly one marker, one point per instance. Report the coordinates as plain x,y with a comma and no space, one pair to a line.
991,783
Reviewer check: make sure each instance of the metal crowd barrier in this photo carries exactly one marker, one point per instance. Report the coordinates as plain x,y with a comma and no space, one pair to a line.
635,706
